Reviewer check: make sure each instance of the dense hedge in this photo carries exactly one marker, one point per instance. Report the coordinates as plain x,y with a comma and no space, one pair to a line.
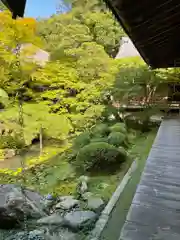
81,140
100,130
100,139
119,127
98,156
116,138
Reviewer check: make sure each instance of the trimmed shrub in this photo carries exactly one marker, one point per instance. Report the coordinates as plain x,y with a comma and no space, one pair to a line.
103,139
123,151
116,138
119,127
101,130
99,156
82,140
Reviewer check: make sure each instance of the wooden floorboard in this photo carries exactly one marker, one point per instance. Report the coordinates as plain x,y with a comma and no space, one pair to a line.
155,210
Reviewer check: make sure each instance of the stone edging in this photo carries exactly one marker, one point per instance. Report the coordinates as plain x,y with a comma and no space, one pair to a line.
104,217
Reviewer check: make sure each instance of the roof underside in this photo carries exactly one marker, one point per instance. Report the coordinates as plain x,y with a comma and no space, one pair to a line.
127,49
17,7
154,28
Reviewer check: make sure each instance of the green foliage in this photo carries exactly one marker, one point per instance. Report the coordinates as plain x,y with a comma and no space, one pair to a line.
82,140
35,117
98,156
66,188
100,139
86,22
119,127
82,122
100,130
135,79
122,151
4,98
11,142
116,138
67,95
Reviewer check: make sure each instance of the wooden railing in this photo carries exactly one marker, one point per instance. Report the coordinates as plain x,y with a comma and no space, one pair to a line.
140,105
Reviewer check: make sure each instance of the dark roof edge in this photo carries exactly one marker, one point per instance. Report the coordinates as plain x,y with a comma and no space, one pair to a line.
110,6
14,8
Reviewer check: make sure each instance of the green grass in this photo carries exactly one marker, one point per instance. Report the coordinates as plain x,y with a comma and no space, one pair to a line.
105,185
140,151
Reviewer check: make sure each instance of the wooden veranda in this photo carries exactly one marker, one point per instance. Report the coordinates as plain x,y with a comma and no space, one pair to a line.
155,210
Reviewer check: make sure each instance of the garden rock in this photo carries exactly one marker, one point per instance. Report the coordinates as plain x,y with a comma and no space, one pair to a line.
54,219
87,195
47,204
12,204
64,198
34,197
19,204
67,204
83,185
7,219
9,153
79,219
96,204
84,179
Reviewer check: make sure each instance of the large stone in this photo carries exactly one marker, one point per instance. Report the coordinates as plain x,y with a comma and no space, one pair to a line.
84,179
7,219
96,204
13,206
67,204
63,198
82,186
79,219
9,153
19,204
87,195
54,219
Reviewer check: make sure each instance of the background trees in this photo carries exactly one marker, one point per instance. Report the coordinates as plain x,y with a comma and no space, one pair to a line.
73,100
90,23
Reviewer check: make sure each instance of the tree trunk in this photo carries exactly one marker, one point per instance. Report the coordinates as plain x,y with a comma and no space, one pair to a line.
41,140
151,95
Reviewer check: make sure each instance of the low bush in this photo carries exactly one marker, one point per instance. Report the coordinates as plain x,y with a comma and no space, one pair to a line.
99,156
116,138
123,151
100,130
102,139
82,140
66,188
119,127
11,142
